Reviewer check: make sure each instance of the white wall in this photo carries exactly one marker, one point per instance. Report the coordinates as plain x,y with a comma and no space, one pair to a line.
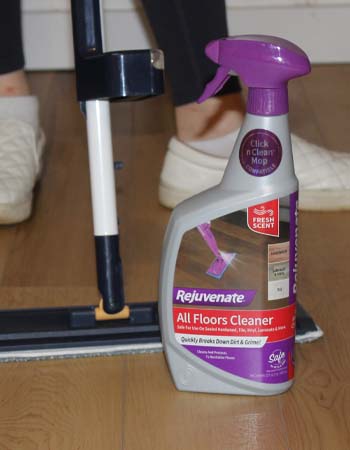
321,27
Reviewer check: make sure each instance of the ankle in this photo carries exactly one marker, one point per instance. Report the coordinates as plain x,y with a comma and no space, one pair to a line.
14,84
214,118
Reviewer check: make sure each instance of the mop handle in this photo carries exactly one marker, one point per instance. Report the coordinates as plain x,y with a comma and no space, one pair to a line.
88,41
101,77
87,28
209,238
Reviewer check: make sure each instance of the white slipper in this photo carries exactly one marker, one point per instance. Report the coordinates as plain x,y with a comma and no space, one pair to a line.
20,165
324,175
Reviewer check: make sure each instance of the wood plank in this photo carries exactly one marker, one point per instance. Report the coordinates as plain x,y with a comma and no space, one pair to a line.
62,405
326,93
159,417
317,408
7,238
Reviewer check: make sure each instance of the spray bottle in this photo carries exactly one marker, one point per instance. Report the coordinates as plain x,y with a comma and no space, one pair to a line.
229,262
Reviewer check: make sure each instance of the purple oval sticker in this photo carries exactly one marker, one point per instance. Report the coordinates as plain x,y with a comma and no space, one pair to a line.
260,153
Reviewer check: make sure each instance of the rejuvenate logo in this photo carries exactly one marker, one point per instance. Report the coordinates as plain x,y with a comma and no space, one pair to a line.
213,296
277,359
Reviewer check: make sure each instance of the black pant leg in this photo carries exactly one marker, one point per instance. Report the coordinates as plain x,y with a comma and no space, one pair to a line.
11,50
182,29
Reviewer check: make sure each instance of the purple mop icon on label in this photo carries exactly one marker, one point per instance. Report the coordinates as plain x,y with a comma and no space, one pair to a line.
222,259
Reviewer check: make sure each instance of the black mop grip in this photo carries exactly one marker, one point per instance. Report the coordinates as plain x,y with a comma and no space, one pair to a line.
109,273
86,19
116,75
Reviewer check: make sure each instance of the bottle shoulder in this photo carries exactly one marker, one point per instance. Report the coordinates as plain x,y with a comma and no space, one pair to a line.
217,202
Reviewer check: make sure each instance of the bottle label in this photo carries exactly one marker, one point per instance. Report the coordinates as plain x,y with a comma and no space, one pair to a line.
234,296
260,152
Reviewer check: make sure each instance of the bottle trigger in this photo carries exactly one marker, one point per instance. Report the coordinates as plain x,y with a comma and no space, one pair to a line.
221,76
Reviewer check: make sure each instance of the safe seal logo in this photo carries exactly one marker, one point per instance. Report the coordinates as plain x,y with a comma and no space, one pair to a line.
277,359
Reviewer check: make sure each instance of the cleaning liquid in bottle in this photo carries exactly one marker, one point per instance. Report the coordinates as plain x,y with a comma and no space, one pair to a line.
228,270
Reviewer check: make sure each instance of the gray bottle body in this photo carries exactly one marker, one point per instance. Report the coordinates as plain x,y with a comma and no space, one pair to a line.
238,190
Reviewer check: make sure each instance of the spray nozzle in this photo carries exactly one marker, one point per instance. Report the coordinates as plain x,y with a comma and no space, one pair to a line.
264,63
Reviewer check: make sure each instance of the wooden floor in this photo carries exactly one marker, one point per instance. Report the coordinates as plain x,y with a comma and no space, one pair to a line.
129,402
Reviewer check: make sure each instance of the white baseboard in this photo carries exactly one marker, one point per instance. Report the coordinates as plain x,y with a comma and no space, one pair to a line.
318,26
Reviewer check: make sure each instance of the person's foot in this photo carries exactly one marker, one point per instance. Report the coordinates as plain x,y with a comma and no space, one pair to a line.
215,117
324,176
21,149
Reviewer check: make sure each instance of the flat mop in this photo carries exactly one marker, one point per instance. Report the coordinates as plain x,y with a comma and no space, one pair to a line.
113,326
222,259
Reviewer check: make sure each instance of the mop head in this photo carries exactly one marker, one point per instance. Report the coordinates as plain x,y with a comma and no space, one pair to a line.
220,264
74,332
105,339
79,352
307,329
309,336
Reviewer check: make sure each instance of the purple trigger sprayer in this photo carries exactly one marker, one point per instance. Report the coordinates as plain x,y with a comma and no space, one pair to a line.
235,335
264,63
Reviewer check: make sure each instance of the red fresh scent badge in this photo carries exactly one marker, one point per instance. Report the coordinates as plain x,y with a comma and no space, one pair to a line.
264,218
